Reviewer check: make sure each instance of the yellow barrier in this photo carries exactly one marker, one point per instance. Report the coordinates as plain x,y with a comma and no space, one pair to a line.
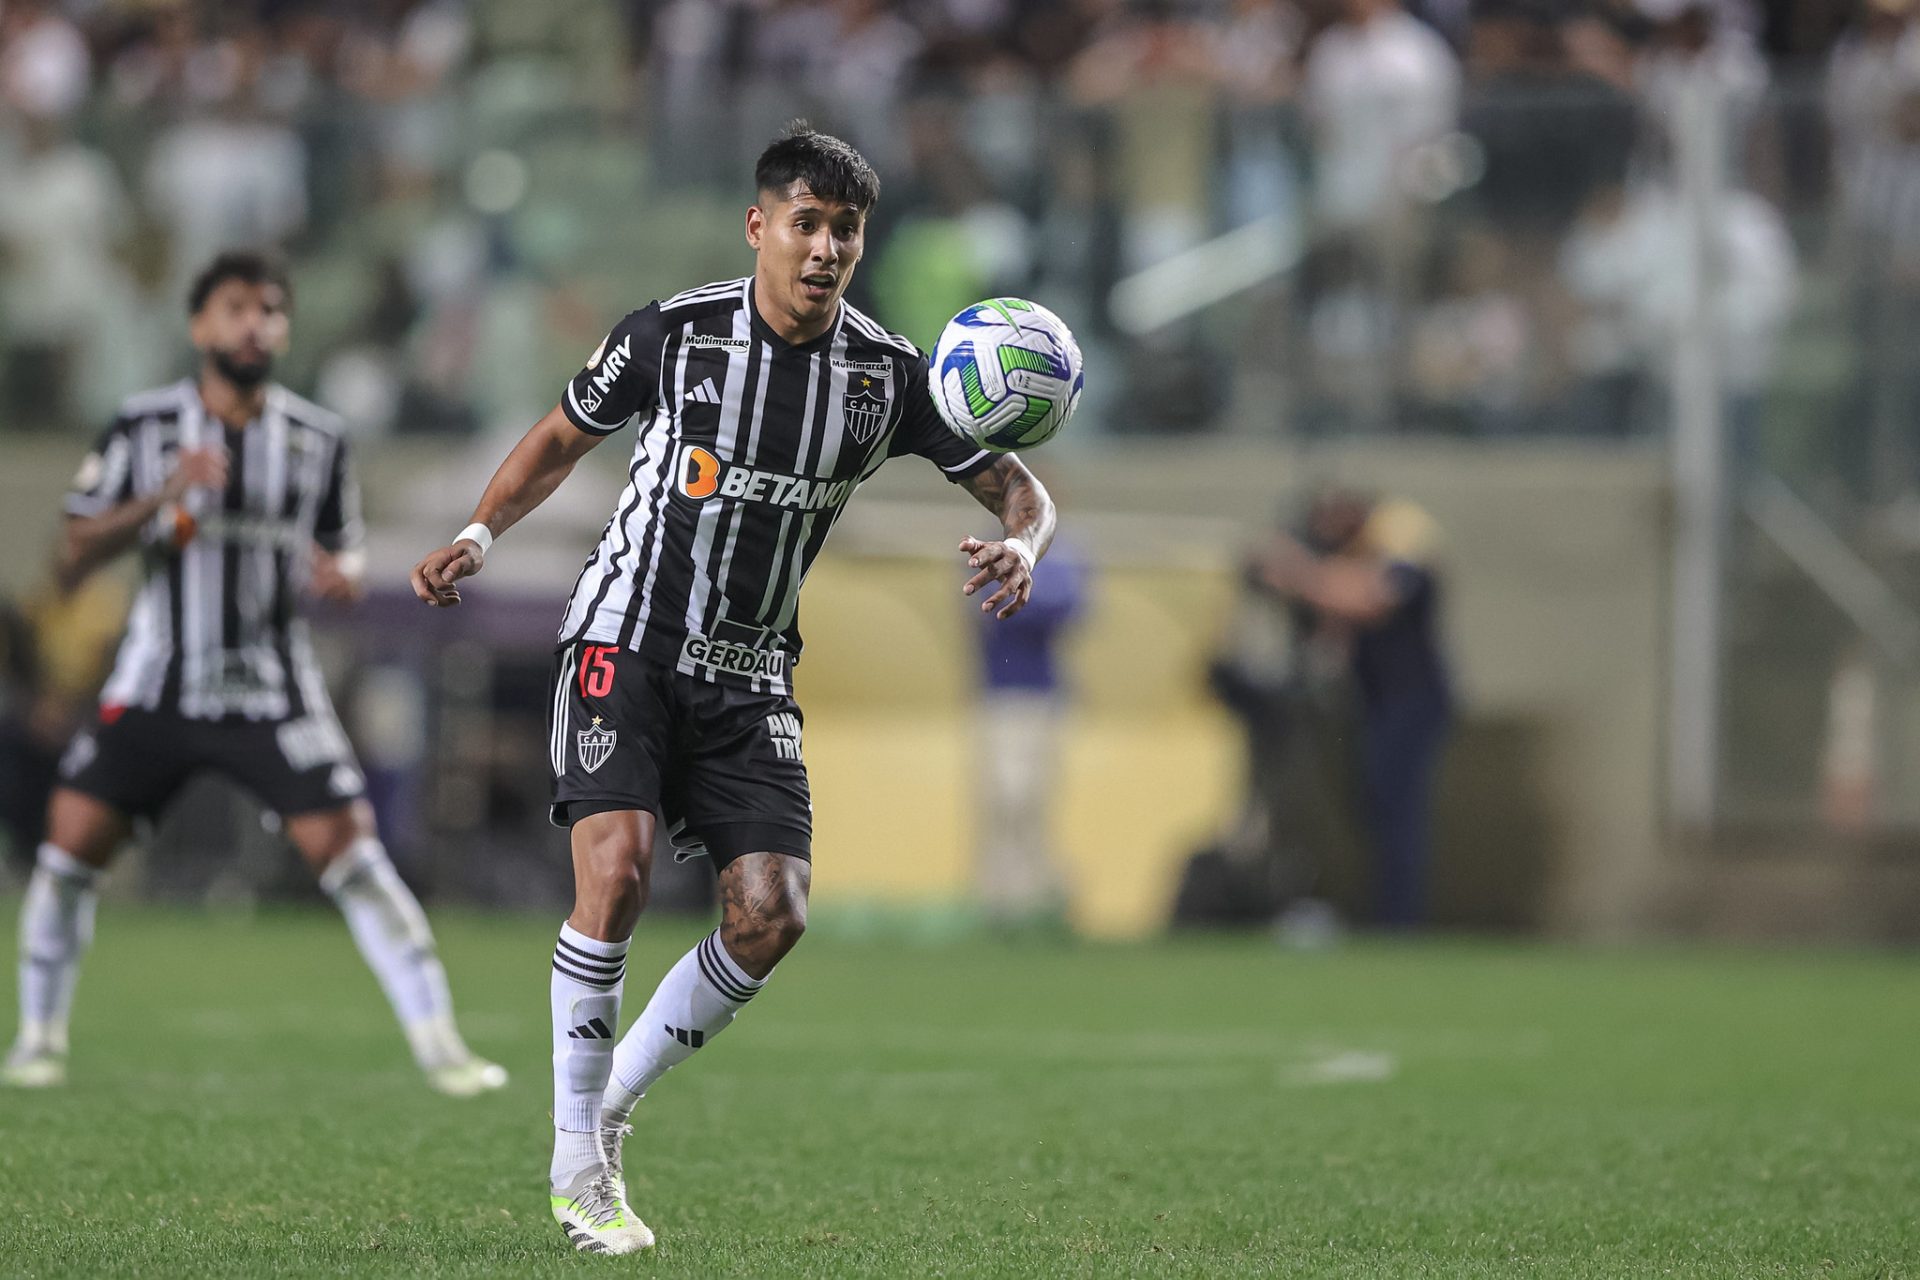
1150,767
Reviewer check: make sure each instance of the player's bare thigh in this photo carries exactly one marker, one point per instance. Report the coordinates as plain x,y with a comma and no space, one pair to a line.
612,870
763,906
325,834
85,827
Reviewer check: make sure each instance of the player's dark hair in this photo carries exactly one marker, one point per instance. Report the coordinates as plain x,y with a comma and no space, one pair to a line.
830,168
249,266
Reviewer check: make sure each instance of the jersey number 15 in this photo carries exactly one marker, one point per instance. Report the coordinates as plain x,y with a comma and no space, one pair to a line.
596,670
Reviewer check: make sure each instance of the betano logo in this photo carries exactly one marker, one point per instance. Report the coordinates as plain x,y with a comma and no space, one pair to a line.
701,475
699,472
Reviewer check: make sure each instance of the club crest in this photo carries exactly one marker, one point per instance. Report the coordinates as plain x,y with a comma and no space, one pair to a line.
865,409
595,744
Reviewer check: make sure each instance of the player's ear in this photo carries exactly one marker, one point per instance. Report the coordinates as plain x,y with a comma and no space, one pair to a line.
756,226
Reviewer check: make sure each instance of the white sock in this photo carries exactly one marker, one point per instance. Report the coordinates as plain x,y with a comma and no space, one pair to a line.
694,1003
392,933
587,977
56,926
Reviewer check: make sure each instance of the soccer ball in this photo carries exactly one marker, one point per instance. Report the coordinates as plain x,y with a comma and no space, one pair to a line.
1006,374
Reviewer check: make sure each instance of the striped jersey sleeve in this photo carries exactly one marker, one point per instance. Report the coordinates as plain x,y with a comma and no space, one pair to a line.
105,478
621,378
338,524
923,431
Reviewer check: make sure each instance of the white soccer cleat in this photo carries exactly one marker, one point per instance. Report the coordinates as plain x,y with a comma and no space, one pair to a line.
595,1216
33,1068
468,1078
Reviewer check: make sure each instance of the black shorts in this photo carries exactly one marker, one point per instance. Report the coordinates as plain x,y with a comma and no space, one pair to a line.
138,760
719,765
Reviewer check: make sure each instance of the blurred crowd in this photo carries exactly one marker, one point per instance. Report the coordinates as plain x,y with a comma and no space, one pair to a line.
1486,212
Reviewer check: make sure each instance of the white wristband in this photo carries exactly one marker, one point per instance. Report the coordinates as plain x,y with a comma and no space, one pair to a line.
479,535
1020,548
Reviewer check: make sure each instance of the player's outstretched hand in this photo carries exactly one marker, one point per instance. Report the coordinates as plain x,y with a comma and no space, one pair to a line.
196,468
433,577
998,562
334,577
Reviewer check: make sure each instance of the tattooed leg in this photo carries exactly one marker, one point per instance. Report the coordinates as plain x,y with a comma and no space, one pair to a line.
764,911
763,899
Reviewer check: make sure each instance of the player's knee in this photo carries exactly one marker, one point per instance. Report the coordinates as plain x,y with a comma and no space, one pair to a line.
610,882
614,883
759,938
786,925
83,828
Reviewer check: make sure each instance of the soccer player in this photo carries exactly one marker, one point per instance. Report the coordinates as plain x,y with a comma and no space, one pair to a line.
238,496
761,404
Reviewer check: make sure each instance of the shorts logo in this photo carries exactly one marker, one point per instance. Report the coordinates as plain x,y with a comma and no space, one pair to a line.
736,659
595,745
865,409
699,473
783,730
313,741
346,781
79,755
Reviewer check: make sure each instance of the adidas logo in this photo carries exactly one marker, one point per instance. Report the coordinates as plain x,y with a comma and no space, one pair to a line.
691,1039
705,393
594,1030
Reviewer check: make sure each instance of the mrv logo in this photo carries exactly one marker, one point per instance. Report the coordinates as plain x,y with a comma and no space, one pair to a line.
737,659
701,475
614,361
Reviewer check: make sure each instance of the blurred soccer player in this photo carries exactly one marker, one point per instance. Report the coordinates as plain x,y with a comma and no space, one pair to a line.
762,403
238,496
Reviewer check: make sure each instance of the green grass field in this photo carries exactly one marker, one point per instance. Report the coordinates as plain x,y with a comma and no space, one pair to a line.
240,1105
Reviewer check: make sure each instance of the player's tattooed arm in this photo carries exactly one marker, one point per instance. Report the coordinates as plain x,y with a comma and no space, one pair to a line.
532,471
1027,519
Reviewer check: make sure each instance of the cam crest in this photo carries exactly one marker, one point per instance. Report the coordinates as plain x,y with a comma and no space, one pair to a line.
865,408
595,744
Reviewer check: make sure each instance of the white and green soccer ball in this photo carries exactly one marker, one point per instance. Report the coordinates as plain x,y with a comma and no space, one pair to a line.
1006,374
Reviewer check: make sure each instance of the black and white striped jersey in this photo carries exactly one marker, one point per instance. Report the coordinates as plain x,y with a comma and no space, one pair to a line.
213,630
749,448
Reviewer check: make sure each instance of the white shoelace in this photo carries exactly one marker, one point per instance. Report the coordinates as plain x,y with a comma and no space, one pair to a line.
612,1138
600,1203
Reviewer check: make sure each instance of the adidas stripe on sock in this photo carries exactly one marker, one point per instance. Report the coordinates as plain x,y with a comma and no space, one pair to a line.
696,1001
585,989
